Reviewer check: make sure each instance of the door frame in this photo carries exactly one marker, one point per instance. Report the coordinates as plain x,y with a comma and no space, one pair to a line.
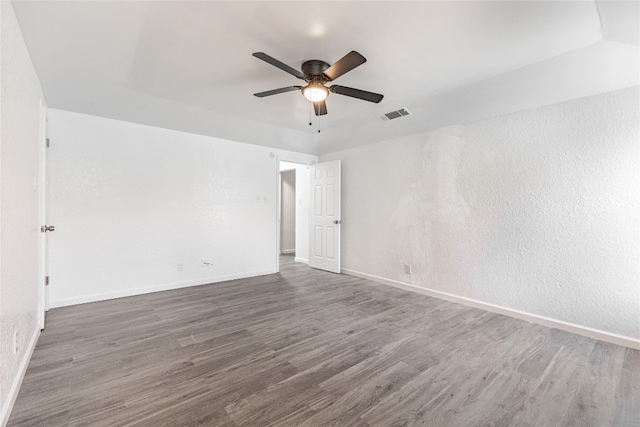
279,201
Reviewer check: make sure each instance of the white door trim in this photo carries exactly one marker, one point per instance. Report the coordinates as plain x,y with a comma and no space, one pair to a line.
286,159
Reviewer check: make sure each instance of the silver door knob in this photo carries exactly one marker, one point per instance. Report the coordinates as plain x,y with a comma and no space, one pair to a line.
336,221
46,228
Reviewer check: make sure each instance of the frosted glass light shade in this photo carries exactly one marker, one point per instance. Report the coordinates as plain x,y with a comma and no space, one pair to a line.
315,92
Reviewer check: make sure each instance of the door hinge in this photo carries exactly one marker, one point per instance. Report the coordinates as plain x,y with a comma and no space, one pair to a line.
48,143
46,281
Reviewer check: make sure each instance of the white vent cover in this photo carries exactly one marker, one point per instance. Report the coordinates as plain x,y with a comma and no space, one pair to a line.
394,115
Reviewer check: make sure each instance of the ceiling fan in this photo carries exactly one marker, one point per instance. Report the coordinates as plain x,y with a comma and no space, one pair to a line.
316,73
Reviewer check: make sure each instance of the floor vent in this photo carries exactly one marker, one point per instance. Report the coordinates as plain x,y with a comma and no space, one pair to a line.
394,115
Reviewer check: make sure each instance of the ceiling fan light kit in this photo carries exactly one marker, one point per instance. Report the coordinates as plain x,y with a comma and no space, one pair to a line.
317,73
315,92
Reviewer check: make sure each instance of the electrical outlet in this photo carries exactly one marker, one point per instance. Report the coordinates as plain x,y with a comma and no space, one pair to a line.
180,267
16,334
407,268
204,262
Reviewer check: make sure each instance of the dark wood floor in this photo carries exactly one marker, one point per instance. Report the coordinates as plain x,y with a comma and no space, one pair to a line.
305,347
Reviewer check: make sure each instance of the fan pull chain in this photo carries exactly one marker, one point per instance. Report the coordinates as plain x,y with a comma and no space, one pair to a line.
317,117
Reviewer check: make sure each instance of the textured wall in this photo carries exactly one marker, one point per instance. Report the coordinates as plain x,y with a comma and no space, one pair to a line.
288,211
130,202
19,139
536,211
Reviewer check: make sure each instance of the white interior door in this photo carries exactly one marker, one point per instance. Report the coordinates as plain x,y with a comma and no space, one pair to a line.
324,233
43,290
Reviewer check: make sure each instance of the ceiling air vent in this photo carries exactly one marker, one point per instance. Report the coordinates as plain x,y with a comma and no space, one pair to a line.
394,115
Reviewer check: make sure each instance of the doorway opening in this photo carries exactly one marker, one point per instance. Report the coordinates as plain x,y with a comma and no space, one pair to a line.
293,211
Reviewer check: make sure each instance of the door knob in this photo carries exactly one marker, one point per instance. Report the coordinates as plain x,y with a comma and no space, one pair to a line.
336,221
46,228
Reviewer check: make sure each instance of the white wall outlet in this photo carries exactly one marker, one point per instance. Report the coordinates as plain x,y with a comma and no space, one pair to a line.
204,262
407,268
180,267
16,334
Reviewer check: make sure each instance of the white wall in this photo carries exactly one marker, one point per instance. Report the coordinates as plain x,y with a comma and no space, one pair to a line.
288,211
302,213
536,211
130,202
302,209
19,141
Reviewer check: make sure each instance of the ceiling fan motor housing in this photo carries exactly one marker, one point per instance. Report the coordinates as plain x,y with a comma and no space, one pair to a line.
313,70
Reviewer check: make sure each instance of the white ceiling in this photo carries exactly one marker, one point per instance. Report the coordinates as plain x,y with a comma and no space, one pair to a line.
188,66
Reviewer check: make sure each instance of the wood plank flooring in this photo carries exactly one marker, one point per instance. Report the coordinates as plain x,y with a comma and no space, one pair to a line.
310,348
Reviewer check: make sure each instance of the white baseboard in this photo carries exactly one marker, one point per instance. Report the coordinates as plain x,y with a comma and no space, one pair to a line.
63,302
522,315
297,259
287,251
17,381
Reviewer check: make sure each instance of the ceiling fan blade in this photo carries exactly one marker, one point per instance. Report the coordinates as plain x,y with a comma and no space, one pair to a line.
356,93
281,65
320,108
277,91
348,62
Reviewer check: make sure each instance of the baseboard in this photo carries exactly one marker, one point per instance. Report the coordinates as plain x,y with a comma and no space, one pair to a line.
287,251
297,259
63,302
17,381
522,315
